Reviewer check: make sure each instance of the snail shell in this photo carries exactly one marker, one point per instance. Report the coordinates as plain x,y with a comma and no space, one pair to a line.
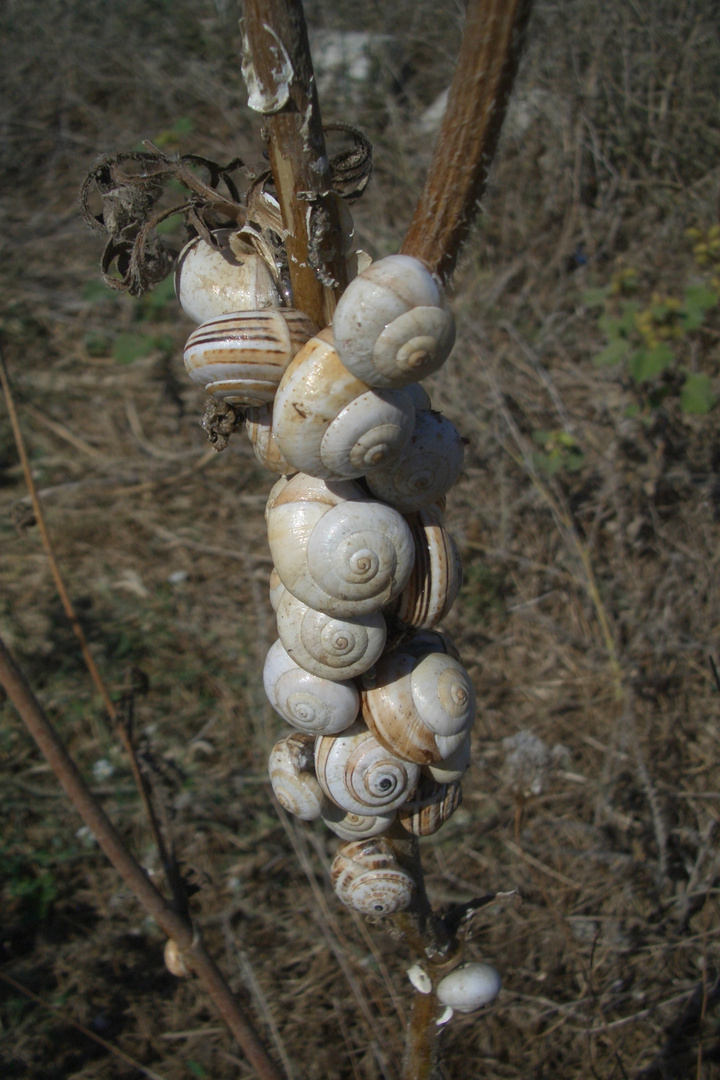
426,468
391,326
349,826
421,708
332,648
429,807
366,876
276,589
360,775
452,767
330,424
295,786
240,357
469,987
258,425
436,576
336,550
212,281
174,960
314,705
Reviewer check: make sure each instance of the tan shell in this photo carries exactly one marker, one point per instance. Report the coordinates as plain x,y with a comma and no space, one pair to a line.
429,807
212,281
330,424
425,469
349,826
451,768
313,705
240,357
258,425
336,550
333,648
360,775
174,959
366,876
293,781
437,573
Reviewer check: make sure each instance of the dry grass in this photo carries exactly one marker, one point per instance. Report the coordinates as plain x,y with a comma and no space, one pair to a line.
588,616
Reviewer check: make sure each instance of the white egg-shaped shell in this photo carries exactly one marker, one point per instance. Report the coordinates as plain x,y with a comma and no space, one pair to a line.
311,704
333,648
349,826
240,357
425,469
367,877
453,767
391,326
360,775
258,425
212,281
436,576
290,767
330,424
469,987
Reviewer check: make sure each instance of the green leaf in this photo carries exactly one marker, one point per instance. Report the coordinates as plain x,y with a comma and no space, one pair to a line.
647,363
613,353
696,395
595,297
698,300
196,1068
130,347
170,224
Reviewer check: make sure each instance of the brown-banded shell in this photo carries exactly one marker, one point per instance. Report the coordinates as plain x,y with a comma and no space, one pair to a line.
349,826
215,280
311,704
258,425
240,357
429,807
333,648
362,776
366,876
291,774
336,550
436,576
425,469
332,425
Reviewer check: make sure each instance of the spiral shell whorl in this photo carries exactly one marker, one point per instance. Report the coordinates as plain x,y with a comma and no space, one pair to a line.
311,704
295,785
367,877
335,649
361,775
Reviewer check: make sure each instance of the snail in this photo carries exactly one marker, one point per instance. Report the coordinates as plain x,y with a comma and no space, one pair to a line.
420,707
212,281
366,876
391,326
360,775
258,425
240,357
308,702
336,550
429,807
350,826
469,987
425,469
276,589
452,767
174,960
436,575
293,781
335,649
332,425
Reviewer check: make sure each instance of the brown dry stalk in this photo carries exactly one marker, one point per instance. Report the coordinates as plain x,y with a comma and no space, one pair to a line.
175,925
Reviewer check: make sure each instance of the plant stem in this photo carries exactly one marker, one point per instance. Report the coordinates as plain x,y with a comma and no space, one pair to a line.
489,55
176,926
421,1046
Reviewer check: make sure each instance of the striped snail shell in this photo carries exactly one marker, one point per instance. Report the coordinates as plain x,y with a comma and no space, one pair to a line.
293,781
469,987
349,826
436,576
212,281
452,767
366,876
360,775
429,807
421,708
258,425
391,326
425,469
332,425
311,704
336,550
240,357
333,648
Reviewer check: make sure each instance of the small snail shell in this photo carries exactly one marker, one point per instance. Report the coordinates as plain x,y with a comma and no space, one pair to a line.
469,987
240,357
258,425
350,826
366,876
332,648
331,425
452,767
336,550
391,326
174,960
360,775
311,704
429,807
276,589
212,281
295,786
420,708
426,468
436,576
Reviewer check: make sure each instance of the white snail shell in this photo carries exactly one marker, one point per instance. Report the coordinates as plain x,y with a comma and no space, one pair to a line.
421,708
349,826
366,876
311,704
391,326
240,357
469,987
336,550
452,767
276,589
425,469
360,775
290,766
258,425
436,576
212,281
429,807
332,648
331,425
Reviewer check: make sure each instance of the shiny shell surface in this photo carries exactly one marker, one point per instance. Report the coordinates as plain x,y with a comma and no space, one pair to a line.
333,648
436,576
311,704
362,776
469,987
212,281
349,826
366,876
425,469
294,784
